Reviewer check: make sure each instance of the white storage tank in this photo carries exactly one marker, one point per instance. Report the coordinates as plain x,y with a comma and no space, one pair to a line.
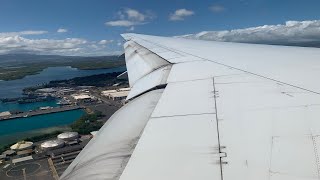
52,144
22,145
68,136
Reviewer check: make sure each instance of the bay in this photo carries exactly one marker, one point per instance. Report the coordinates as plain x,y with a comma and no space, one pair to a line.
20,128
11,89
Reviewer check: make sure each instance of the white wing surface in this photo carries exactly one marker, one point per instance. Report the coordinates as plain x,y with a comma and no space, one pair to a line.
211,110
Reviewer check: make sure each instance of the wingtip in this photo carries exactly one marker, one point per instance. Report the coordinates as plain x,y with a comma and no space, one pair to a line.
127,36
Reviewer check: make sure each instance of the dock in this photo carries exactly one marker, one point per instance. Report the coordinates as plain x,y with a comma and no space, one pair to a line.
41,112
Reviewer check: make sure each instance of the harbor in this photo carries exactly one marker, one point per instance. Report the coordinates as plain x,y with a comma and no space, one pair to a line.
47,112
41,111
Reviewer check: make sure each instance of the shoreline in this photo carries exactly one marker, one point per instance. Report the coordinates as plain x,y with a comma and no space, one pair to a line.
19,130
14,137
22,75
41,112
14,88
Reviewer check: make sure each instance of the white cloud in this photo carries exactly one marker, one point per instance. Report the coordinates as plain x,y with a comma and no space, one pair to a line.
130,17
301,33
16,42
135,15
125,23
62,30
103,42
180,14
217,8
5,34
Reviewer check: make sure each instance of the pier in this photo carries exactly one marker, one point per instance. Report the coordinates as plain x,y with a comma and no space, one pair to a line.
41,112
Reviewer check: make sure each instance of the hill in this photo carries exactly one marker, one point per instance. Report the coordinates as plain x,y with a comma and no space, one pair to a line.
16,66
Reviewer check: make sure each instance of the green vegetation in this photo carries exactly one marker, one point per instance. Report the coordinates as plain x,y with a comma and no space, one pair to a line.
98,80
43,136
19,66
19,72
97,64
88,123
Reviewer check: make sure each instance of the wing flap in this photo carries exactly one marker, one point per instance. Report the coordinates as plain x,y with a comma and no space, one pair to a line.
140,61
150,81
178,147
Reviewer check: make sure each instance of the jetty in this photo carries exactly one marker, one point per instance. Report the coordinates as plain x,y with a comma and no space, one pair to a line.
40,112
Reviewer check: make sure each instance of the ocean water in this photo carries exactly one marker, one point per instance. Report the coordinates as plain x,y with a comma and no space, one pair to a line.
20,128
9,89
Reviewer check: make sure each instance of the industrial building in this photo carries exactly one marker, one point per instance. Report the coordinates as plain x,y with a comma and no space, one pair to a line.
63,157
24,153
118,94
68,136
22,145
83,97
52,144
5,113
46,90
9,152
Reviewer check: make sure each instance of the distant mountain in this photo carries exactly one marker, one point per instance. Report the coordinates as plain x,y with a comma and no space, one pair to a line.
19,59
17,66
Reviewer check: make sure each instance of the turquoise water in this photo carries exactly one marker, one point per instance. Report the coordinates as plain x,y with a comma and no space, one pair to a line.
19,125
26,107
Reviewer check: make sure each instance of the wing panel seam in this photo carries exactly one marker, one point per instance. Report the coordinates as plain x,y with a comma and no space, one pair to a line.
217,125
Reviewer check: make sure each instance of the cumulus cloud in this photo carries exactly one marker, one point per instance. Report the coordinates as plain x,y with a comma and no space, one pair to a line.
4,34
217,8
62,30
130,17
300,33
135,15
103,42
125,23
180,14
16,42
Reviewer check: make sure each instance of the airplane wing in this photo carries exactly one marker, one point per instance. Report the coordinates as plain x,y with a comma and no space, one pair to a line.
210,110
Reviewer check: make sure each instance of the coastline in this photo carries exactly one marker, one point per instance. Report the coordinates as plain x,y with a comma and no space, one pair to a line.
12,138
9,74
14,88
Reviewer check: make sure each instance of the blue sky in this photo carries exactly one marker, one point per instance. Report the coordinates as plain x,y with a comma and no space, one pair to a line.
96,20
